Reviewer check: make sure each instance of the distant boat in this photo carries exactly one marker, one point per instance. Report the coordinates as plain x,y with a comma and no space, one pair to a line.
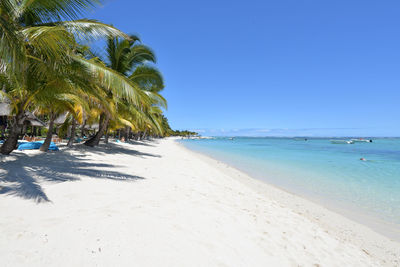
342,142
230,138
361,140
300,139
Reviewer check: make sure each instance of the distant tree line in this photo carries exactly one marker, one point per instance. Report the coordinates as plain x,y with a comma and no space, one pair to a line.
169,132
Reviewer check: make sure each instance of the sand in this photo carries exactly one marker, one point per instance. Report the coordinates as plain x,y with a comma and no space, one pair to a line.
159,204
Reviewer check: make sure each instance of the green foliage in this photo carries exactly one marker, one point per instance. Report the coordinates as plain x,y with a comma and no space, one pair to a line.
170,132
47,68
44,131
183,133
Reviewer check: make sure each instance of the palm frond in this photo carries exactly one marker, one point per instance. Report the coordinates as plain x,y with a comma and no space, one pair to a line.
54,10
148,78
113,80
86,29
51,42
157,99
140,54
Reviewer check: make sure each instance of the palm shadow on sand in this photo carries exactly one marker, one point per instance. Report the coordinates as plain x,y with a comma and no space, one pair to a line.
22,177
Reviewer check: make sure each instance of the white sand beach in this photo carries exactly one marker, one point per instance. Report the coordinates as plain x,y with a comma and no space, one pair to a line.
158,204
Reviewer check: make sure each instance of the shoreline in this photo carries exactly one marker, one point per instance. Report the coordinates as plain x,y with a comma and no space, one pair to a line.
388,229
159,203
335,221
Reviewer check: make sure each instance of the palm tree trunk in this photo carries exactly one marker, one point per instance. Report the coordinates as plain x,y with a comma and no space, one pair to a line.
137,135
122,134
72,136
107,136
144,134
103,124
128,133
47,141
15,130
10,143
83,129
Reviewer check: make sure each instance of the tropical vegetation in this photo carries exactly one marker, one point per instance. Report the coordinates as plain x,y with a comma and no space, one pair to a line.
47,69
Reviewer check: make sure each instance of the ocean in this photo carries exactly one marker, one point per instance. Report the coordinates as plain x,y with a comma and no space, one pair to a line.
326,173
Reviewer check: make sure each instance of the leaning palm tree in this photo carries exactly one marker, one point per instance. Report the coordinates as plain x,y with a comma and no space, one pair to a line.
68,97
152,83
124,56
34,35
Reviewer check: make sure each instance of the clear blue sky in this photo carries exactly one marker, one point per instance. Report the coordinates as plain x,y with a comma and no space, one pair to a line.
282,66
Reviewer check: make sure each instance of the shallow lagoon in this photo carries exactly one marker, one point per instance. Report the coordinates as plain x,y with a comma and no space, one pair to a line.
332,174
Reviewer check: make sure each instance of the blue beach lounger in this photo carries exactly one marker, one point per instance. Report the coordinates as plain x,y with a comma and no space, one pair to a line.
36,145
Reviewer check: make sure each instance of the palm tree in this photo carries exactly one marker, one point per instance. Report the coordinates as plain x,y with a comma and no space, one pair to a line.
35,38
58,103
128,57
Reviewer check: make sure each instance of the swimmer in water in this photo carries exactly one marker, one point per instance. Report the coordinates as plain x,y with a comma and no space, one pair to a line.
363,159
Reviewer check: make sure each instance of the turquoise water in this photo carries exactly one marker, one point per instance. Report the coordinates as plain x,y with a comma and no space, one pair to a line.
317,169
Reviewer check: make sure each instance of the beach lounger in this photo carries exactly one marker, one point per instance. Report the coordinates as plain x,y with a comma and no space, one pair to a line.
36,145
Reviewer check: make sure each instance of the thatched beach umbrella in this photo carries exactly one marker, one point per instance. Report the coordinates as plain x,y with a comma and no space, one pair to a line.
33,120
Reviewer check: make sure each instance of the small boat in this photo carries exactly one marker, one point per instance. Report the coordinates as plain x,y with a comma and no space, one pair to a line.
300,139
230,138
342,142
361,140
